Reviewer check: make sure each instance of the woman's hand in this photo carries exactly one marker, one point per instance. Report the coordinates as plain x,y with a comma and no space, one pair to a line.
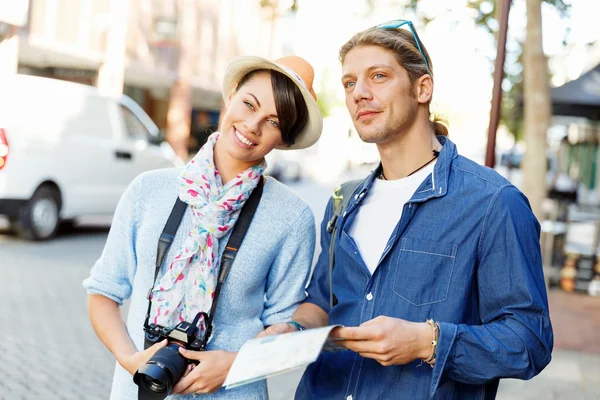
134,361
209,375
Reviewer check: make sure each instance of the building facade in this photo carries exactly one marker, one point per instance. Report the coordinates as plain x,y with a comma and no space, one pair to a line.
147,49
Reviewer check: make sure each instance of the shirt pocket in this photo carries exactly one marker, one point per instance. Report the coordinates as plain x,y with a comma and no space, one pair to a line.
424,270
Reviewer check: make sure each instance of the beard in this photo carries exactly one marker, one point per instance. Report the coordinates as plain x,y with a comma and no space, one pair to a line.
387,130
373,136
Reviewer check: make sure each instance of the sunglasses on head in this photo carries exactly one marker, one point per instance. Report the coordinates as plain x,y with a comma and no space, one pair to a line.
399,23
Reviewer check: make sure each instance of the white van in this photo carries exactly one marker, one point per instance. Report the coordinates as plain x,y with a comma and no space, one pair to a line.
67,151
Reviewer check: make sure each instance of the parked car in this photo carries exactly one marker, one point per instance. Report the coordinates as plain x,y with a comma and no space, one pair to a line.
514,159
67,151
511,167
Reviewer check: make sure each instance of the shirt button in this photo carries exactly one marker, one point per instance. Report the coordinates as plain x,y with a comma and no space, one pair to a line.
349,397
370,296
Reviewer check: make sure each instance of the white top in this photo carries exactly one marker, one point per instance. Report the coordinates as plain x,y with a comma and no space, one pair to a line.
379,213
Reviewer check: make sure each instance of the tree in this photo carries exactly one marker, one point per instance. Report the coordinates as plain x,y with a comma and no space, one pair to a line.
533,88
537,106
180,102
274,4
276,10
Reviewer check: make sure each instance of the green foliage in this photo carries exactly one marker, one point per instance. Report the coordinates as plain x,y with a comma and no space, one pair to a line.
326,98
564,9
485,14
268,3
273,4
324,104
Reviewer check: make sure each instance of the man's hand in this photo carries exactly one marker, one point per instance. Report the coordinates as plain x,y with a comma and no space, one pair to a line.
134,361
209,375
277,329
389,341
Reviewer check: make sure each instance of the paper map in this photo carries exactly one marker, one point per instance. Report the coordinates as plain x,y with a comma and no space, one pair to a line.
271,355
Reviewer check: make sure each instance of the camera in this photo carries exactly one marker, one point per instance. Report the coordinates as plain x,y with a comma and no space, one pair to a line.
158,376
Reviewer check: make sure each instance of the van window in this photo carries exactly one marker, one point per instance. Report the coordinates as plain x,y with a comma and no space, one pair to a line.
135,128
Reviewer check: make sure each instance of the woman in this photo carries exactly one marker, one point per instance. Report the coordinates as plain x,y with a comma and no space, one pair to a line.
269,105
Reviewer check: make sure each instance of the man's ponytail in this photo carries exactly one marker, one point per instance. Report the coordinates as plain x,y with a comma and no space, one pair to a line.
440,125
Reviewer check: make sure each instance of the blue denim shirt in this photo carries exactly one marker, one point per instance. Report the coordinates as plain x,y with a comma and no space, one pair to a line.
465,253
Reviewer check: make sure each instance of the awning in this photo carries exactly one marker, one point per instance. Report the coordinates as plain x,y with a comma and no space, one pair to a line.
36,52
580,97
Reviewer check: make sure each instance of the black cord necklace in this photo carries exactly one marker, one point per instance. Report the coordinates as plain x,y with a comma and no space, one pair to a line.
435,155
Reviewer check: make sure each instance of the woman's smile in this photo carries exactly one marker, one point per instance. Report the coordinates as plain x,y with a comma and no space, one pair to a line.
242,140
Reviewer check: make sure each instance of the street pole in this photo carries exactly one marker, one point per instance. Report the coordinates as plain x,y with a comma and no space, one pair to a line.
490,155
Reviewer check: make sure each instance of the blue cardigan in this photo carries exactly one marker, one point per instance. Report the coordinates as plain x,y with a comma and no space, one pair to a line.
265,285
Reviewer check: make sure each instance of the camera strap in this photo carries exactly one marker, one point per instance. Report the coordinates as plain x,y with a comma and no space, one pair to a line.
235,241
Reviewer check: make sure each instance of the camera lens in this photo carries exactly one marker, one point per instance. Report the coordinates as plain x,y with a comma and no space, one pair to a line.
154,385
162,371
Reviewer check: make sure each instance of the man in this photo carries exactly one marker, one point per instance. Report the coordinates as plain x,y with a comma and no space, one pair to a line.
438,275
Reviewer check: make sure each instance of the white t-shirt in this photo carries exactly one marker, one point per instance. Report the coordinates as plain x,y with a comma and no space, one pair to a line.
380,211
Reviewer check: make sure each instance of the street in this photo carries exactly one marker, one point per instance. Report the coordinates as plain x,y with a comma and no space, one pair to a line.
49,350
48,347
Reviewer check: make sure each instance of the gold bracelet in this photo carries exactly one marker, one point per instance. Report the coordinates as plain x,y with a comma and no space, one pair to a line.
434,342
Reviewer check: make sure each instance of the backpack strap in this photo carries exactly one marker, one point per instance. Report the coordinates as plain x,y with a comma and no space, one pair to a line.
235,242
341,197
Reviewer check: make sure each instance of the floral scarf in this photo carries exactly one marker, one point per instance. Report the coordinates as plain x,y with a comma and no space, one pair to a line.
188,286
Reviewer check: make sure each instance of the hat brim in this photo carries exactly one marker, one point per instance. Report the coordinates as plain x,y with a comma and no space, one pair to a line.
239,67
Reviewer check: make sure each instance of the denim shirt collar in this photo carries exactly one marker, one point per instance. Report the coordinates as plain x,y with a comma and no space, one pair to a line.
435,185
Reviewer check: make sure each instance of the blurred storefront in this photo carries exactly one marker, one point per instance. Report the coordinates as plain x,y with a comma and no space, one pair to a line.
573,228
142,48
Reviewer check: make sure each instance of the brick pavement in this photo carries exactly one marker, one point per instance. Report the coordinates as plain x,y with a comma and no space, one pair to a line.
574,372
48,349
576,321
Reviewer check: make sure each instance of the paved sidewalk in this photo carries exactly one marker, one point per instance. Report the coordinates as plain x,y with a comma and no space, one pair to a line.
571,375
576,321
574,372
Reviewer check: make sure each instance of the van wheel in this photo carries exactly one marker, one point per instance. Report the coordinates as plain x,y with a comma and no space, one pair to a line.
39,218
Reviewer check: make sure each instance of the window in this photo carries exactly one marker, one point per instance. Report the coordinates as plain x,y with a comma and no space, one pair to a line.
135,128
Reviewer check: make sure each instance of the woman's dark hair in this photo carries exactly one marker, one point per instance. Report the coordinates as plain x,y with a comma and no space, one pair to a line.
292,111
